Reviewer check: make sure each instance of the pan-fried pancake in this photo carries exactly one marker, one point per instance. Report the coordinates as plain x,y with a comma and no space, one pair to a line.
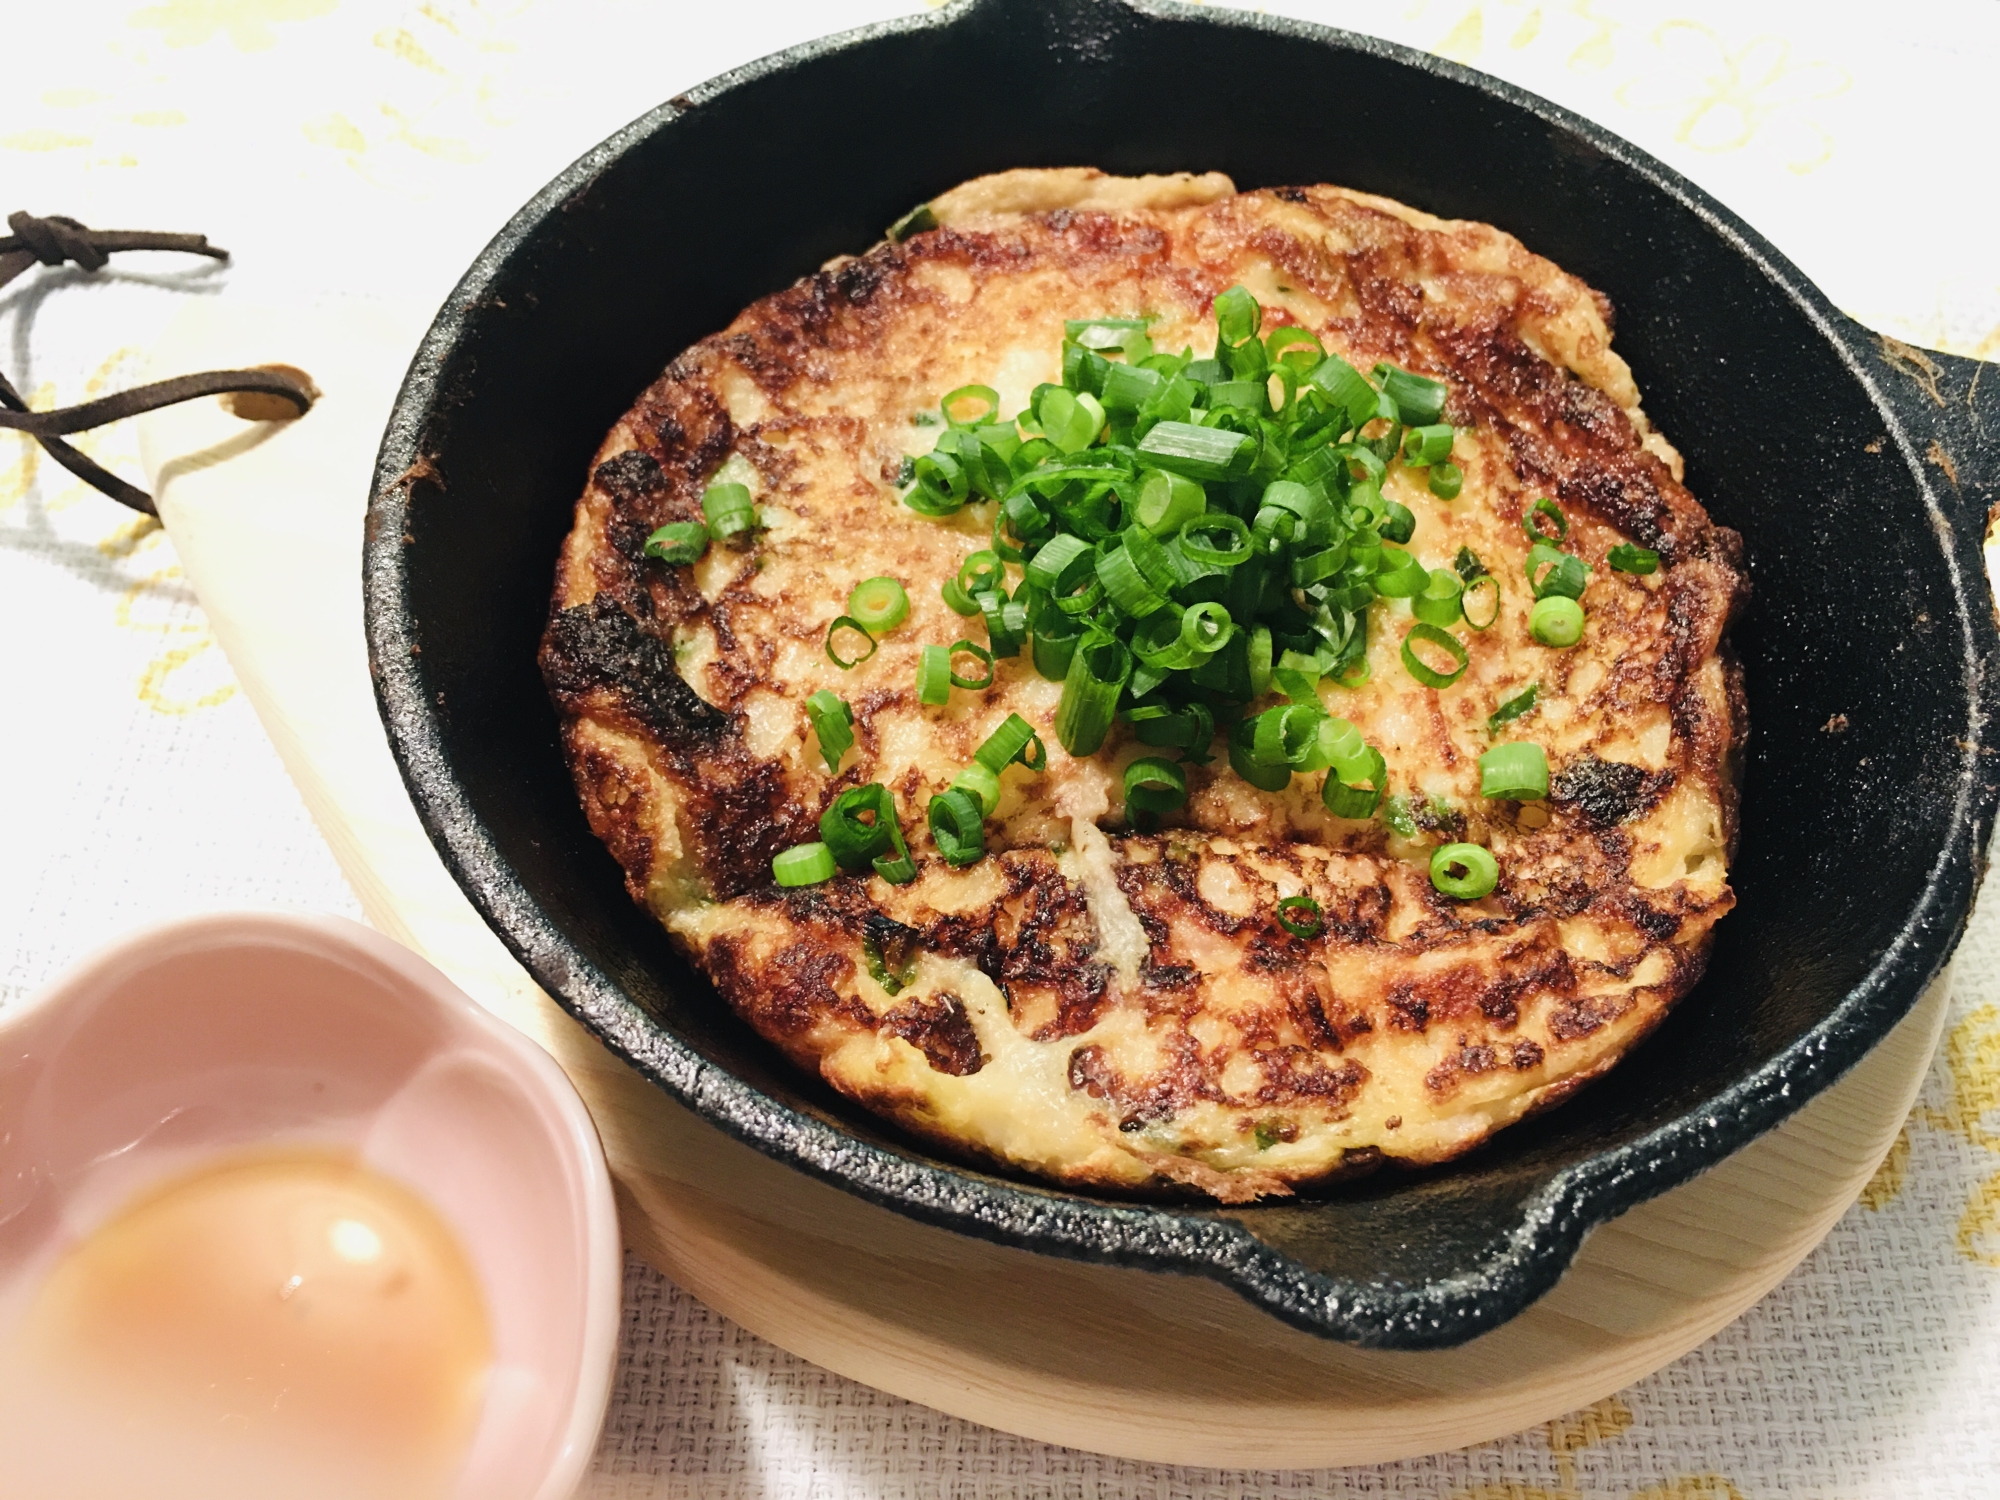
1103,1003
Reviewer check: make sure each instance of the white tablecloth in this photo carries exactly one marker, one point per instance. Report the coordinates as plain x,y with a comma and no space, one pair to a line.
367,148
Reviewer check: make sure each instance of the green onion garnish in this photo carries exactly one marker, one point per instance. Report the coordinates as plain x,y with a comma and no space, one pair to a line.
1467,565
1167,502
1154,785
1014,740
956,599
1424,446
833,721
803,864
1195,533
728,510
981,393
956,828
1625,557
878,604
1518,772
933,676
916,221
1434,636
1530,522
1197,452
1513,708
1354,784
855,627
1097,675
982,783
985,659
680,542
1466,871
1419,400
1556,621
1309,924
1439,604
1480,603
858,825
1553,572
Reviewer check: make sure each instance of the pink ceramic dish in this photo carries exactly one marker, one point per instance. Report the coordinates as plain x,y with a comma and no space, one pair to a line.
210,1035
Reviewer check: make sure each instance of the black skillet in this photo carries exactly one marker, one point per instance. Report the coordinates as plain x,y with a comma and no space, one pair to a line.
1860,475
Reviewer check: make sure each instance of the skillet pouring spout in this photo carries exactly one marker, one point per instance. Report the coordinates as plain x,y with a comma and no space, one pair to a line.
1860,849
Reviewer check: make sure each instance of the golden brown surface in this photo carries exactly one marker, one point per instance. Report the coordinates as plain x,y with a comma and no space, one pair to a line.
1092,1004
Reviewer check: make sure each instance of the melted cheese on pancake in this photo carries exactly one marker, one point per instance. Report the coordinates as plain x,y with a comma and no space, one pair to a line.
1091,1003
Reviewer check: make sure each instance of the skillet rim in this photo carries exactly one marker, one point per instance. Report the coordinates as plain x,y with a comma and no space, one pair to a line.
1517,1265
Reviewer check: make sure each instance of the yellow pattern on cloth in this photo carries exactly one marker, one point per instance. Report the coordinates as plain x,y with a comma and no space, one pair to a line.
369,147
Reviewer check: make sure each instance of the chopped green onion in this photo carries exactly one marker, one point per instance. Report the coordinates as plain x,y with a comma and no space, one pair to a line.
985,658
1006,621
879,604
1130,594
1625,557
1197,452
1433,635
1235,552
1424,446
1154,785
1418,399
1053,654
1014,740
895,866
1556,621
1513,708
1468,566
1346,390
1286,736
1310,925
916,221
728,510
1070,421
1439,603
1097,675
878,968
1396,813
1260,660
933,676
803,864
682,542
1480,603
1265,775
980,571
1446,481
859,824
1189,728
956,599
1399,522
1554,572
1466,871
833,721
1238,316
956,827
1061,565
1517,771
848,622
1167,502
982,783
1531,524
1405,577
985,393
1354,788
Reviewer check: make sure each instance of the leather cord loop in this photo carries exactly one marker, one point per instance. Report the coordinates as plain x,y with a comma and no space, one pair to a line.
57,240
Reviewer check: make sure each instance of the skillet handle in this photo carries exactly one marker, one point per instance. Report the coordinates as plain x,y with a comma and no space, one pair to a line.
1950,406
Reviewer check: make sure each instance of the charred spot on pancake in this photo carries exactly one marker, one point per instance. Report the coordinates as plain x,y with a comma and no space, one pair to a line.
597,648
631,477
939,1028
1605,791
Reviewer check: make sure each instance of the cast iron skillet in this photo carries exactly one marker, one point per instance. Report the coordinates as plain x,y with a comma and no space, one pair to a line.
1859,475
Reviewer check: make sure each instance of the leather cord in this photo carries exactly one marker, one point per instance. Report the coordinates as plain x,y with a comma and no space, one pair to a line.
56,240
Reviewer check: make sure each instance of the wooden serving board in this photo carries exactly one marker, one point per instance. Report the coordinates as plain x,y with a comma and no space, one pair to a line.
267,520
